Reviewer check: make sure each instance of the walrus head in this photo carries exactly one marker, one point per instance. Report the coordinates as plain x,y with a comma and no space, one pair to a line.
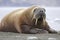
39,15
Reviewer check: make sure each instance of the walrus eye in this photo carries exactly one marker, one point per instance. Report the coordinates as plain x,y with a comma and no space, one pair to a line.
34,10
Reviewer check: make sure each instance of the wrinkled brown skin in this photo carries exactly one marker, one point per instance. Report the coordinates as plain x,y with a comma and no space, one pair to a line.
21,22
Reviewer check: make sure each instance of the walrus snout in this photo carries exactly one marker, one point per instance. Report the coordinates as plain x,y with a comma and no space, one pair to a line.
40,17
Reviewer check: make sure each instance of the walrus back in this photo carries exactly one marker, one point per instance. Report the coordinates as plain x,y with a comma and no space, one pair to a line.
6,24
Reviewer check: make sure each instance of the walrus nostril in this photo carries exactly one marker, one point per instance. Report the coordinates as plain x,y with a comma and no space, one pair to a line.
41,10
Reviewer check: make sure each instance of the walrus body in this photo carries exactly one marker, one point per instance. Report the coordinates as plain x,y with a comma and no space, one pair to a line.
24,20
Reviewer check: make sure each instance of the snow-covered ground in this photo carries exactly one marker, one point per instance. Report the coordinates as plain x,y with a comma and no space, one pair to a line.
52,14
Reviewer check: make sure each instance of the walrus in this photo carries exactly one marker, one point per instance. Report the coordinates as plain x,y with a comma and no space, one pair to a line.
26,20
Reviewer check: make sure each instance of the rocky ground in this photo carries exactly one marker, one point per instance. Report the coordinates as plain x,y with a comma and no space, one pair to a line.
17,36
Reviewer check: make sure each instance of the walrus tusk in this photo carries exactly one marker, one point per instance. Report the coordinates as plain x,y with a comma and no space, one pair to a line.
36,21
